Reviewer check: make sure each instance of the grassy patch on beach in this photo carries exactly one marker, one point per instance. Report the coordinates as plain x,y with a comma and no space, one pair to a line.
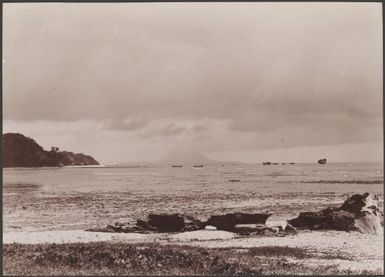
155,259
294,252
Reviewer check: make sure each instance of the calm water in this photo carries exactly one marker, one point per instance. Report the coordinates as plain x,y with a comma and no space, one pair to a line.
64,198
170,180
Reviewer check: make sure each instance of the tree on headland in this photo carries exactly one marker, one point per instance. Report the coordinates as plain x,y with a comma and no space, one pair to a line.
54,149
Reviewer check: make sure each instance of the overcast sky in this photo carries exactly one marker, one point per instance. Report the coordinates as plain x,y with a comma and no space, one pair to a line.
234,81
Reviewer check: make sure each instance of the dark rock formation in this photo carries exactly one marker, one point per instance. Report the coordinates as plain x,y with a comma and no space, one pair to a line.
227,222
357,213
144,225
170,223
325,219
21,151
158,223
322,161
166,222
181,223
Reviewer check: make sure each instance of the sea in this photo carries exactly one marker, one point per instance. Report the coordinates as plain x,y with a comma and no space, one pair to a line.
85,197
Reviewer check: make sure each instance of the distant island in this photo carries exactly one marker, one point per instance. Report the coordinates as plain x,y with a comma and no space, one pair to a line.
322,161
22,151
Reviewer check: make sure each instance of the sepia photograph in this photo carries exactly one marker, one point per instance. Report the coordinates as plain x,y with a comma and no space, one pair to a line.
192,138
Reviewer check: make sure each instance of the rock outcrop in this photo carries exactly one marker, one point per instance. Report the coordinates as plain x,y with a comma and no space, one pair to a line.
21,151
357,213
161,223
322,161
227,222
173,223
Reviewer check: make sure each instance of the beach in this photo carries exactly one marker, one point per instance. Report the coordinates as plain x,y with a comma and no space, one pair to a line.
347,252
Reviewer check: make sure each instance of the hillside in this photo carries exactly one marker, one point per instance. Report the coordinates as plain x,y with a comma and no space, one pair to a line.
21,151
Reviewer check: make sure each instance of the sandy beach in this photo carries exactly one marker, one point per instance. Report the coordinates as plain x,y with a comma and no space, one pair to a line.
364,251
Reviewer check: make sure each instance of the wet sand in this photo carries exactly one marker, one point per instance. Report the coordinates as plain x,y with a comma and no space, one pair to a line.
27,207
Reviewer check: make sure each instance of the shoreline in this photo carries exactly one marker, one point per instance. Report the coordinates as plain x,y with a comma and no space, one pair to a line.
214,163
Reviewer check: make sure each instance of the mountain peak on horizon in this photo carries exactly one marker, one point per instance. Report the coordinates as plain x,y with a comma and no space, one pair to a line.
186,157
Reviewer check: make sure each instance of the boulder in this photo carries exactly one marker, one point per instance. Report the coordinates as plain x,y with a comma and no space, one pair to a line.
358,203
170,223
227,222
166,222
325,219
357,213
144,224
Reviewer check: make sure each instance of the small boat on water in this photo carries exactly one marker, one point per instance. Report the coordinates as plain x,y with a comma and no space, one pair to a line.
177,166
198,165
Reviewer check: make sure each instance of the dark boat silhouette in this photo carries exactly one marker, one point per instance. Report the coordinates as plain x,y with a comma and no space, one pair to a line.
198,165
177,166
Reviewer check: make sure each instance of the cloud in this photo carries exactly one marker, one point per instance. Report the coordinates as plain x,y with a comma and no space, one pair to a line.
164,131
124,125
213,75
198,129
331,114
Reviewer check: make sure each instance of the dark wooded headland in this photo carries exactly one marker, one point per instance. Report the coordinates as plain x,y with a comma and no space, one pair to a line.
21,151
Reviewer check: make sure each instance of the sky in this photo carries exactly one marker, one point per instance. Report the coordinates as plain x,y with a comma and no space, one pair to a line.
248,82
